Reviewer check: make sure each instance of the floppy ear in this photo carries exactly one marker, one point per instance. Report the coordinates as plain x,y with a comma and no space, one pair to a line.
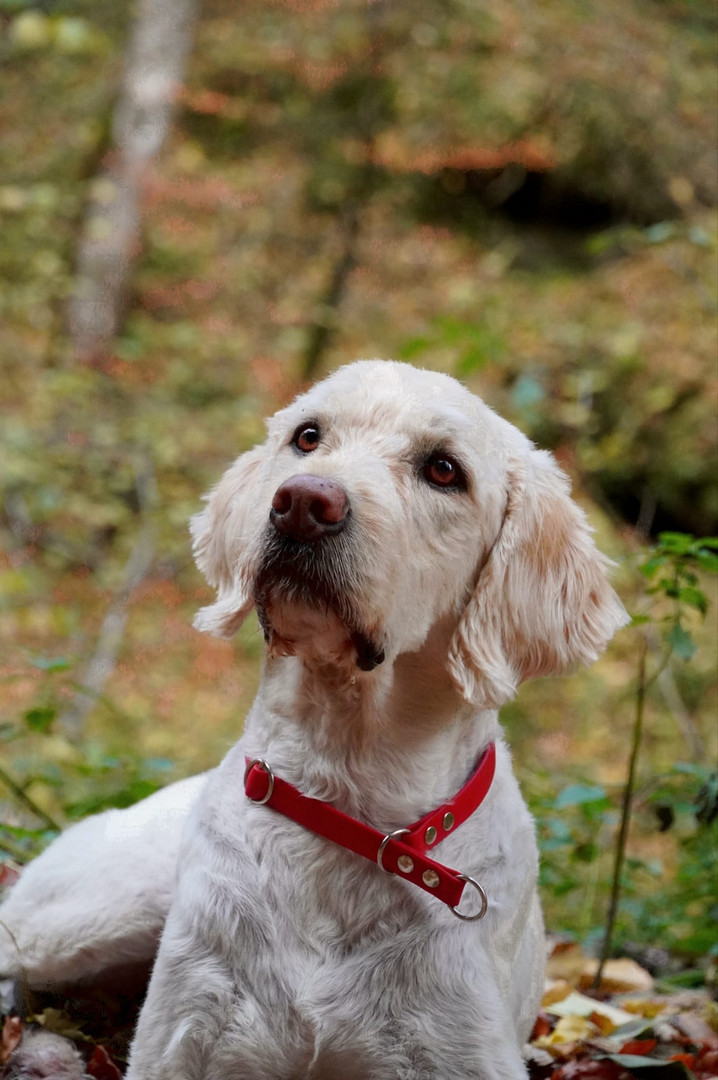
219,539
542,600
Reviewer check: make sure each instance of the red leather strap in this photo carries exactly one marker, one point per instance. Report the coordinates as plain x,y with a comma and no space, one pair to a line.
434,826
401,855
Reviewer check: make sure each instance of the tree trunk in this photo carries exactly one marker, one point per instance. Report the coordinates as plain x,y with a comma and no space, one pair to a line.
156,58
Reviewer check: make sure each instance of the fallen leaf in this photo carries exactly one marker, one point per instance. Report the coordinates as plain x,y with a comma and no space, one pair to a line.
569,1029
648,1007
706,1065
575,1004
619,976
10,1038
9,873
698,1031
556,991
58,1023
542,1026
101,1066
638,1046
604,1024
652,1068
566,962
589,1069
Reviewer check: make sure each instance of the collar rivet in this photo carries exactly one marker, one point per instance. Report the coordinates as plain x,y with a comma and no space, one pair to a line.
448,821
405,864
430,835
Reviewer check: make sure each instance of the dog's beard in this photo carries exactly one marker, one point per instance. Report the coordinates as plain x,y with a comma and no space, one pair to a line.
316,577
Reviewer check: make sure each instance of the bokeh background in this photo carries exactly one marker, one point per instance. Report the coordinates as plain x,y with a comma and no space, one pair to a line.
202,208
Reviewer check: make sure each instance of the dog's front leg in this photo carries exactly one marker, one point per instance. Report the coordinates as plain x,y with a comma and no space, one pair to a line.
215,1009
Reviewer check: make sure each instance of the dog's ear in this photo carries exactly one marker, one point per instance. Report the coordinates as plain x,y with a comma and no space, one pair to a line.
219,536
542,601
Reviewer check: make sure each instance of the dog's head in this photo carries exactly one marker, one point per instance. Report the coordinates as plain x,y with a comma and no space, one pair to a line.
387,498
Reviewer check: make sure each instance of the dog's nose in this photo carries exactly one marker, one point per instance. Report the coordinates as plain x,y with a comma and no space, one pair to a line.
309,507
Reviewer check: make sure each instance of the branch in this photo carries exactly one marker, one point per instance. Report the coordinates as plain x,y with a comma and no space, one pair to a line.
29,803
104,658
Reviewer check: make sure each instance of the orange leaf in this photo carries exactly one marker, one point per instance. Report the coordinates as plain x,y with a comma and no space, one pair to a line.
687,1059
542,1026
638,1046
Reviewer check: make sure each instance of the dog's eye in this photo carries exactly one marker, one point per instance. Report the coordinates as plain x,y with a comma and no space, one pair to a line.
442,471
306,438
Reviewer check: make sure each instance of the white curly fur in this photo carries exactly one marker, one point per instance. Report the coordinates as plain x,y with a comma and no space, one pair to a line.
285,957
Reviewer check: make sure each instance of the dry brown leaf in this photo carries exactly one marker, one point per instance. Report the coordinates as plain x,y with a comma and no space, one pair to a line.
648,1007
555,991
575,1004
569,1029
566,962
618,976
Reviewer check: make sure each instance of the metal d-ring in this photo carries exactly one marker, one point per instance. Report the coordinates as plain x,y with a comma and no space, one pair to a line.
270,787
484,901
382,846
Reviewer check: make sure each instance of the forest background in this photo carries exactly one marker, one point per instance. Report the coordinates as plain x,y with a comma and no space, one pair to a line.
520,194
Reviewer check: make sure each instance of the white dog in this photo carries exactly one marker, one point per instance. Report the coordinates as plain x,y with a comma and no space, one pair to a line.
412,559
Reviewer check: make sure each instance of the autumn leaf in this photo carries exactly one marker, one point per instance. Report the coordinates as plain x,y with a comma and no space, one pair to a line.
10,1038
101,1066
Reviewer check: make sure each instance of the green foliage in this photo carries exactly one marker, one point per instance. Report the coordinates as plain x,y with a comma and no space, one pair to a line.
470,154
680,557
677,904
49,768
471,346
683,912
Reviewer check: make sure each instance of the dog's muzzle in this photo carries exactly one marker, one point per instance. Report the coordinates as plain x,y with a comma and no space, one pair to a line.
309,558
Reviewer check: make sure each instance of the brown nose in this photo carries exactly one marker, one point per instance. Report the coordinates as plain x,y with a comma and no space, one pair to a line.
309,507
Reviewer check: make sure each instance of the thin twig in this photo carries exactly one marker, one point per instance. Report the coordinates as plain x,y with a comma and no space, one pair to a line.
16,850
30,804
625,814
684,721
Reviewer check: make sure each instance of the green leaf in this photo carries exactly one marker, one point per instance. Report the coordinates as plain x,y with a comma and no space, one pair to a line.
50,663
650,566
676,542
40,718
414,347
681,642
669,587
693,598
691,768
688,979
579,794
586,853
707,560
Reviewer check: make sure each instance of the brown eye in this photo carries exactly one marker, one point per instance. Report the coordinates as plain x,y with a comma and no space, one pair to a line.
443,472
306,438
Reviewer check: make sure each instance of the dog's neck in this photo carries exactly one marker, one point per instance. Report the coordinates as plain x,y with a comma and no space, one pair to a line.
383,745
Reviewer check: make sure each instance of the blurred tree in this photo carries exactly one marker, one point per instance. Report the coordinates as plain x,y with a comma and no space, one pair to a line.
109,242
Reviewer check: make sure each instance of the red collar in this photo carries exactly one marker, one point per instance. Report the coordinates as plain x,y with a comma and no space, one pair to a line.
402,852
